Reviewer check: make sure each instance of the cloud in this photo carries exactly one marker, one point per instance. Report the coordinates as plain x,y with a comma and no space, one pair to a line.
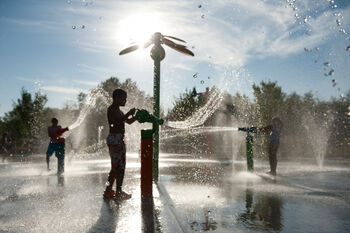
181,66
31,80
59,89
94,69
86,83
52,25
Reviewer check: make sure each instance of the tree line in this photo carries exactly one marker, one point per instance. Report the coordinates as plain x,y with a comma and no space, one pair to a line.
310,124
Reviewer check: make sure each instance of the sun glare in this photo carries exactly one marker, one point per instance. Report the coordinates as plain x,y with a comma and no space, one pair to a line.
139,28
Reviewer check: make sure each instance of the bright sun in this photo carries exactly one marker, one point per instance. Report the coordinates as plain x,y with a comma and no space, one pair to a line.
139,28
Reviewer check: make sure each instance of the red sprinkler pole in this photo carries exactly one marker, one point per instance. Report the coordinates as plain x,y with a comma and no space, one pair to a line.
146,162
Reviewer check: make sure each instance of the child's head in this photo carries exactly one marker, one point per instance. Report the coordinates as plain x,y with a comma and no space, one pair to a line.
277,123
119,97
54,121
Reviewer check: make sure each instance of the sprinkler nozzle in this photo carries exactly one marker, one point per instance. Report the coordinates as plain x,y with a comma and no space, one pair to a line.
143,116
252,129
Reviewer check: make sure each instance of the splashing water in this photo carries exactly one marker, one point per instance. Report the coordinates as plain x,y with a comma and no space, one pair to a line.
96,93
199,117
171,133
318,135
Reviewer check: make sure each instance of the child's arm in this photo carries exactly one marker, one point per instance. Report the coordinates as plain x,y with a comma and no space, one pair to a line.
60,131
118,116
132,119
265,129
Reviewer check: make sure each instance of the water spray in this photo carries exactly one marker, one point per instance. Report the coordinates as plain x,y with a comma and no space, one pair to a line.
249,145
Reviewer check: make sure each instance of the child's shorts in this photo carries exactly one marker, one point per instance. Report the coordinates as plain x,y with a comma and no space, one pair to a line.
117,150
57,147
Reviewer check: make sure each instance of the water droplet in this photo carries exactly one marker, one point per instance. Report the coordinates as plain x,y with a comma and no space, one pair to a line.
74,27
295,8
342,30
202,81
208,77
305,20
112,125
334,6
202,16
308,32
82,26
199,6
193,47
297,15
316,61
306,50
327,63
331,72
318,49
348,48
338,22
107,183
334,82
195,75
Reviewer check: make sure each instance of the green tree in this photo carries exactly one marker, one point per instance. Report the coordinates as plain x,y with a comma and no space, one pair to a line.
25,120
185,105
269,99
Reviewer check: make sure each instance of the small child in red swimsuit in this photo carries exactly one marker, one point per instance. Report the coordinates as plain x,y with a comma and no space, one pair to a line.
57,145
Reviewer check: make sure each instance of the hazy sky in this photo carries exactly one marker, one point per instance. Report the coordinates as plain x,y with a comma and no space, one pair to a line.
64,47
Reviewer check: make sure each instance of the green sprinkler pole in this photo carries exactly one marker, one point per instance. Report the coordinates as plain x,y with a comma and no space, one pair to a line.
157,54
250,161
156,87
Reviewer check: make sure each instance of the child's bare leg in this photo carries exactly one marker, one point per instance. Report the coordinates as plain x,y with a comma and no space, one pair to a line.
111,178
48,162
120,178
273,158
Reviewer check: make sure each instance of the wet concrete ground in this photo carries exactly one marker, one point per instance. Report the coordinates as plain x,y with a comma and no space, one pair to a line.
193,195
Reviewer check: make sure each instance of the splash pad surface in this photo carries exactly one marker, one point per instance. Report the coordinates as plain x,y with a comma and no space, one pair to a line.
194,195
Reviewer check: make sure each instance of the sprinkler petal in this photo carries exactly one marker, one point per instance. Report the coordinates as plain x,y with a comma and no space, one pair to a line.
177,47
175,38
129,49
181,50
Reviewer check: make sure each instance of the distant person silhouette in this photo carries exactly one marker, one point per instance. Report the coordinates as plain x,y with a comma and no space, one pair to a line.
116,145
5,146
57,145
274,141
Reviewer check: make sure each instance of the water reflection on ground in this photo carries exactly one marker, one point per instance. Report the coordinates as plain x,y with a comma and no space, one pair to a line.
223,197
193,195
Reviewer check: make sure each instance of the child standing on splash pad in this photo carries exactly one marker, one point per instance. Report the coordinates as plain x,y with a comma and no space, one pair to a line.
116,145
57,144
274,141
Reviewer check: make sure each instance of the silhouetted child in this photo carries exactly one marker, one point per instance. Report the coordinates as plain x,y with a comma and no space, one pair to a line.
57,145
116,145
274,141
